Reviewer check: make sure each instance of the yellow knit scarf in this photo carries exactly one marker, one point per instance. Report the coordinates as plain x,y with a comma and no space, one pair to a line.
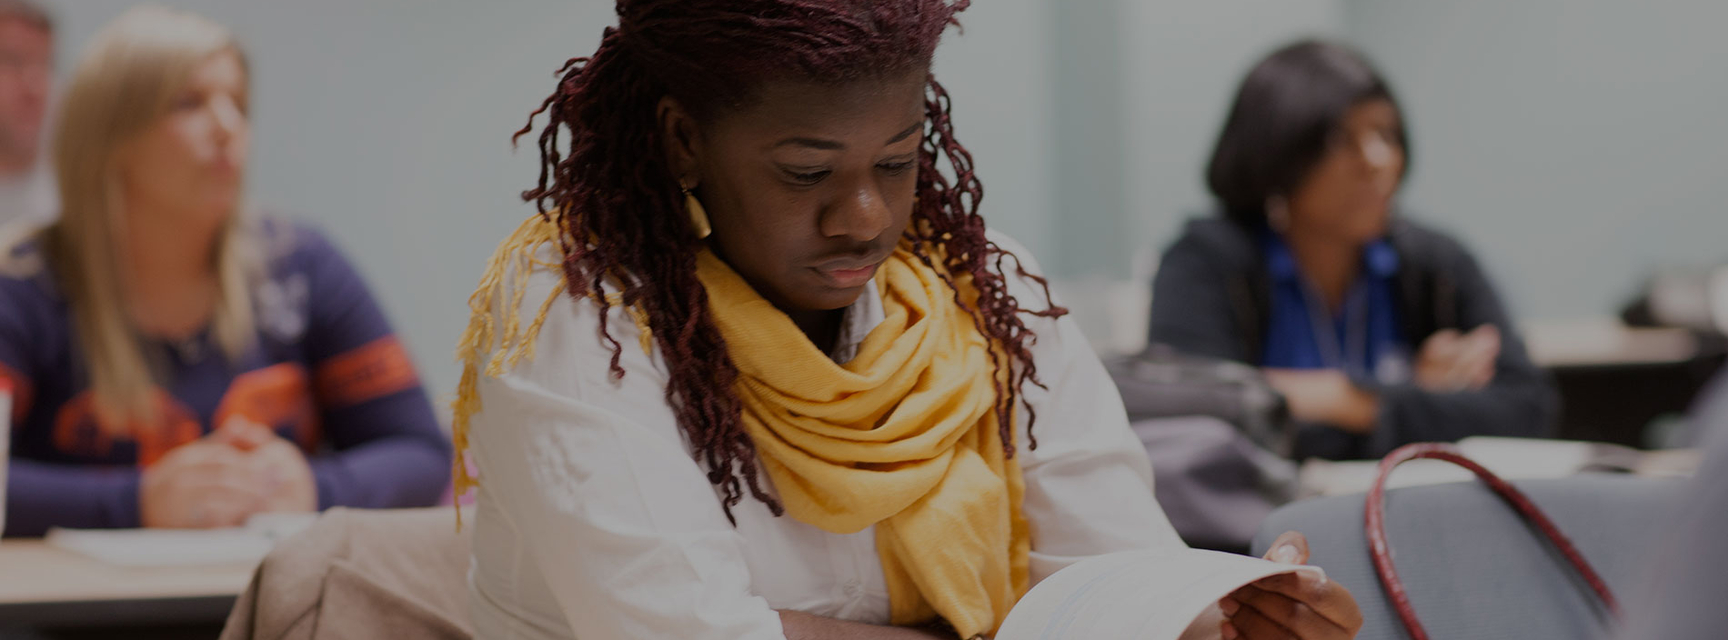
903,437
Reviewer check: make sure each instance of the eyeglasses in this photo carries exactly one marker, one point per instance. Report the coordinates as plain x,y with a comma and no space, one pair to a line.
15,64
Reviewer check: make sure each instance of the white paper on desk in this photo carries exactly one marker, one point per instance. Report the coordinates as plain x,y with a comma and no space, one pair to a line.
1134,595
1509,458
182,547
163,547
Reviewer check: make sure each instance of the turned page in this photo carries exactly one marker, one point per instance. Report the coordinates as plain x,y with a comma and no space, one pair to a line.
1133,595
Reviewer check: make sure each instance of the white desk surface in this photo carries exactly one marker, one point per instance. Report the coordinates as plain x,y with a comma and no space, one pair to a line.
1605,341
32,572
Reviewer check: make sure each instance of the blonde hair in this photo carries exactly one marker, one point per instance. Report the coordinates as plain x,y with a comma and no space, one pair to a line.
126,81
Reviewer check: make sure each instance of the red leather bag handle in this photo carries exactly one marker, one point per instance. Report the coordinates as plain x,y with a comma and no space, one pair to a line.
1382,550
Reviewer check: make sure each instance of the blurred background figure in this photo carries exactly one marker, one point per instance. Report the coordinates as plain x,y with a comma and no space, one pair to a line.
26,79
1378,330
180,361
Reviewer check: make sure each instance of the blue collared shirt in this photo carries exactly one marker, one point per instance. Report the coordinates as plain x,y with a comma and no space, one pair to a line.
1364,339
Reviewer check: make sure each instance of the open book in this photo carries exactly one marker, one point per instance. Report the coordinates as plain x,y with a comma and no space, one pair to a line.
1134,595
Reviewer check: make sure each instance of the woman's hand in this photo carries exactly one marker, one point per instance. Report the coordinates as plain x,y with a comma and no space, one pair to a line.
200,485
277,464
1326,396
220,480
1290,606
1450,361
802,626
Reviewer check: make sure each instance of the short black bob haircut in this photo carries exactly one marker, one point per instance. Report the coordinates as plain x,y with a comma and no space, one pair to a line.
1285,111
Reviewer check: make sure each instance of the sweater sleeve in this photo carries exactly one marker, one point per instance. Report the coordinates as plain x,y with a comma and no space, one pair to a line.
1519,402
40,495
387,448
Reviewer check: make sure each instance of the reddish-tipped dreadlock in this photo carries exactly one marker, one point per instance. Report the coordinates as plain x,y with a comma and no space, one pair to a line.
618,203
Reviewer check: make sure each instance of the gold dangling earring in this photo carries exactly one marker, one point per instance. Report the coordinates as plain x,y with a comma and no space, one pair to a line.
698,216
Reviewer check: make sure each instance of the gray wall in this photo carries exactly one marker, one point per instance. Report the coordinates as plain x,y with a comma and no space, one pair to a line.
387,123
1184,61
1141,91
1575,144
1142,88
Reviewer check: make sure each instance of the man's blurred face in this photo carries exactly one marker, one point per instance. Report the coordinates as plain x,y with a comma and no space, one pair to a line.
26,74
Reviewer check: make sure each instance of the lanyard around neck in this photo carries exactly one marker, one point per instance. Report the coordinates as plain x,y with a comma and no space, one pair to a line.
1350,356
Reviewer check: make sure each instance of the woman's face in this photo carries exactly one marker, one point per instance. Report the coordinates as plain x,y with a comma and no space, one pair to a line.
810,188
1348,194
187,167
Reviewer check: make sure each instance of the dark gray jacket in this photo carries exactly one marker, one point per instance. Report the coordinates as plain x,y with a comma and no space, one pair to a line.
1212,297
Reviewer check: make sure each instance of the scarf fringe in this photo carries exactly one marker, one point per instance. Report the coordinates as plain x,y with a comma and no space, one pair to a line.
500,332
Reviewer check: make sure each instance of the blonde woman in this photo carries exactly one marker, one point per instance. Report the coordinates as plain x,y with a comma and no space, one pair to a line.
180,364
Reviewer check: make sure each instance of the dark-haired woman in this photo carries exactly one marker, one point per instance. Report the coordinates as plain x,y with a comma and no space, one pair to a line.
1378,330
759,371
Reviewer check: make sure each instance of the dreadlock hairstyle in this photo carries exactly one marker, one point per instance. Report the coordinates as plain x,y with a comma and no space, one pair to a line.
620,218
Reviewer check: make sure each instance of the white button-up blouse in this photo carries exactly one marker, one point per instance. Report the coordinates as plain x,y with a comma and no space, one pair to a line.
595,522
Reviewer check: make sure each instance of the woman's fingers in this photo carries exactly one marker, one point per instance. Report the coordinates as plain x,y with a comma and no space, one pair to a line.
1467,371
1450,361
200,497
1486,332
1295,605
1291,547
243,434
225,509
1468,363
1485,348
195,452
1440,344
1323,597
1249,623
1287,613
1435,358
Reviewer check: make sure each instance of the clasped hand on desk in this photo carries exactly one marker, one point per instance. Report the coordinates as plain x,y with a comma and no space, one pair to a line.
1448,362
222,479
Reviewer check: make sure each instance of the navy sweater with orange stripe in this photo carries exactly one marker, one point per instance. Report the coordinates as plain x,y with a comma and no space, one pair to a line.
326,372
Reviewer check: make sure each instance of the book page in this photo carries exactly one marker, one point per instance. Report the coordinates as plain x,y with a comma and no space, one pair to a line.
1134,595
